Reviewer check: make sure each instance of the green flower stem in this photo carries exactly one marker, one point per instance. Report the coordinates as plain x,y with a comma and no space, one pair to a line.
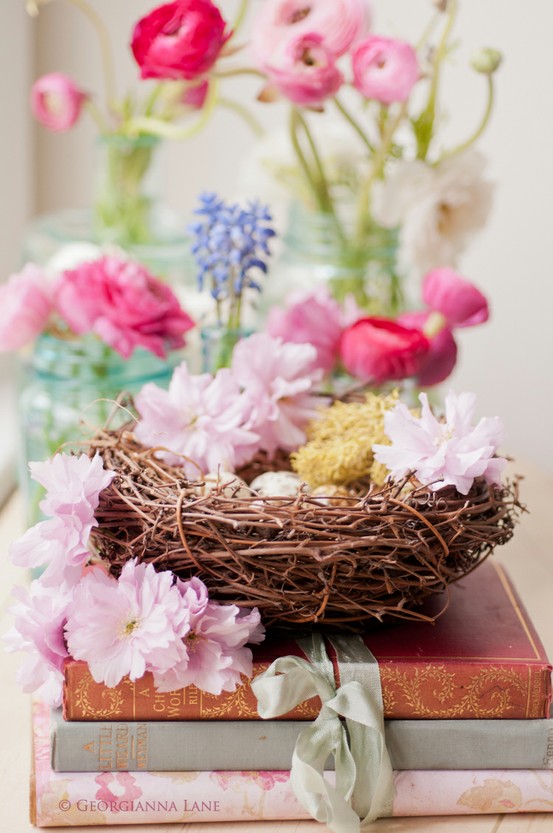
96,115
355,124
480,129
122,209
157,127
304,165
105,46
244,114
234,73
241,15
429,114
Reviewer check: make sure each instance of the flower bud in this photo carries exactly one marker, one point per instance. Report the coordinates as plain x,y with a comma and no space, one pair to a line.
486,61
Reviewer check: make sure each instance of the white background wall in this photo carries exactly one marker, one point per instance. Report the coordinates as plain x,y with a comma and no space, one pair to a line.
508,362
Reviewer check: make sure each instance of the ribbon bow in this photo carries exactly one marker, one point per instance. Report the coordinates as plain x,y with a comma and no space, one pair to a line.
364,787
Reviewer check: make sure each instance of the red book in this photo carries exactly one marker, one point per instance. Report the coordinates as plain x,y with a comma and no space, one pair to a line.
481,659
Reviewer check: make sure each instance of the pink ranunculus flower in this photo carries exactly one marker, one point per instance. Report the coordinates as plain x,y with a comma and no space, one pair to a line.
123,304
380,350
216,655
385,69
179,40
56,101
195,95
339,22
458,300
441,358
278,380
304,70
129,625
310,318
40,615
26,307
199,423
441,453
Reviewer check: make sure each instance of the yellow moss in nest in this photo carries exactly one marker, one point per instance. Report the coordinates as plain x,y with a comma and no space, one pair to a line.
339,447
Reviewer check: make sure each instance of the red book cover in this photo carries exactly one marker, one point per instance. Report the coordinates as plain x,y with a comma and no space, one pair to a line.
481,659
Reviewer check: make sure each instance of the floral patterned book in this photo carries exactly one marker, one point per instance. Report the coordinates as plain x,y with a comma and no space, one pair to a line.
481,659
69,799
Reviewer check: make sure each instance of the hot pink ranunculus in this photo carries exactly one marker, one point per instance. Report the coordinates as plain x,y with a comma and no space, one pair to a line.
458,300
56,101
26,307
441,358
385,69
195,95
379,349
310,318
339,22
123,304
179,40
304,70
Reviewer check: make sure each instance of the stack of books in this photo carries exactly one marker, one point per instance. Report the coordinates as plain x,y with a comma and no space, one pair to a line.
468,727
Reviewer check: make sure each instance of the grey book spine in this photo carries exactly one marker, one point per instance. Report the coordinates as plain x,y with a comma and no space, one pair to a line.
199,746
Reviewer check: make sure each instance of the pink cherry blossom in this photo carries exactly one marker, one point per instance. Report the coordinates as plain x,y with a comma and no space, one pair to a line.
278,380
26,307
339,22
216,655
385,69
56,101
304,70
73,484
441,358
458,300
40,615
199,423
123,304
129,625
60,544
310,318
441,453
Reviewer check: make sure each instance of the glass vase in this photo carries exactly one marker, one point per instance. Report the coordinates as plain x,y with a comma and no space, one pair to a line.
320,248
126,210
68,389
217,345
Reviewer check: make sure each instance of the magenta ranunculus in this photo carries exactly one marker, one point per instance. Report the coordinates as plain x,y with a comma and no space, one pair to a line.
56,101
26,307
385,69
123,304
304,70
458,300
339,22
441,358
379,349
179,40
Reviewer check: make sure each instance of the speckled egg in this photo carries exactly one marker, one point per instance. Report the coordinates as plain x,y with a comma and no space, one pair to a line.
226,483
278,484
332,495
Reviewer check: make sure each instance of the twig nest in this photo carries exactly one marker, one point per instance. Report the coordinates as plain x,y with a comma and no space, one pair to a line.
278,484
225,483
332,495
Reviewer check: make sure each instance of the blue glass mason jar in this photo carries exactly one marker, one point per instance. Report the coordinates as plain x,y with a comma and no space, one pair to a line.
69,388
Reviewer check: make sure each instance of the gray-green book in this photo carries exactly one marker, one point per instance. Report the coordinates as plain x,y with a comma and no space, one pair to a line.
206,745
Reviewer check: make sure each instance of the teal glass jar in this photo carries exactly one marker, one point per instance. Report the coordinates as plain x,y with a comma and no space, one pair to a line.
68,388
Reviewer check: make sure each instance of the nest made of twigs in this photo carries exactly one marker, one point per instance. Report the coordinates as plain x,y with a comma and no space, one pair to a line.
375,554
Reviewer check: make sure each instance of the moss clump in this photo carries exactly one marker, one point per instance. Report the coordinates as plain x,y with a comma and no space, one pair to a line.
340,443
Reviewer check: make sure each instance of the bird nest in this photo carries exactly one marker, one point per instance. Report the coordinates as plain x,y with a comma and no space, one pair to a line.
303,560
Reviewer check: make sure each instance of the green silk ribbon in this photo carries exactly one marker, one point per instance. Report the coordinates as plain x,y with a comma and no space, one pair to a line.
364,788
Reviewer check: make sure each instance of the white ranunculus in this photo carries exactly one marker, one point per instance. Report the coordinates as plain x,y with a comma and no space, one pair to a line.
438,209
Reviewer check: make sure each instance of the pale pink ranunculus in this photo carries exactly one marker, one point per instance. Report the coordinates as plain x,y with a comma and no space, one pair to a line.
339,23
123,304
451,452
384,69
310,318
199,423
129,625
278,381
380,350
304,70
56,101
179,40
26,307
459,301
441,358
40,616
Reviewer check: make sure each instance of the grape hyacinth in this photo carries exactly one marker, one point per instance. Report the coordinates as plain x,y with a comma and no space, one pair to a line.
230,244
